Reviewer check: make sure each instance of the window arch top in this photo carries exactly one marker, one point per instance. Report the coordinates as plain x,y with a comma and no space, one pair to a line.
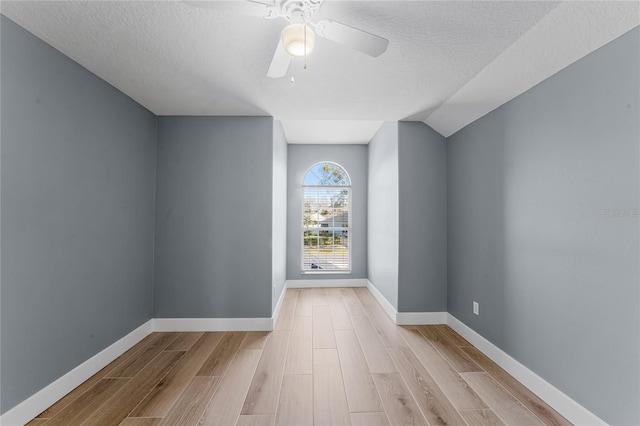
326,173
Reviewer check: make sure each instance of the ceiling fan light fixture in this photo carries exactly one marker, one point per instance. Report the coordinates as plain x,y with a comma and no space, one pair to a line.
295,37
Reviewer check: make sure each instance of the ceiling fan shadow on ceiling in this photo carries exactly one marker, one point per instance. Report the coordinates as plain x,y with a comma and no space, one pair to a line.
298,38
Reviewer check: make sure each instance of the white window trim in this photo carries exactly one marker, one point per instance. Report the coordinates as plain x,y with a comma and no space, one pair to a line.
349,227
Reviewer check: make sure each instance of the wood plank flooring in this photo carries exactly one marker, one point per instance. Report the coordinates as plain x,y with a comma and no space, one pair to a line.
335,358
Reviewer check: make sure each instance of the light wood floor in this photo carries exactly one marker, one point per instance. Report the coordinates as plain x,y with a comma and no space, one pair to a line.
335,358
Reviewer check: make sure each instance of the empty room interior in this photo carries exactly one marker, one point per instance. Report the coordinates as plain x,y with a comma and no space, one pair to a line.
303,212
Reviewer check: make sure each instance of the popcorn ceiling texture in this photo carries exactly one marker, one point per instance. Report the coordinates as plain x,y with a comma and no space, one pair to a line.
448,62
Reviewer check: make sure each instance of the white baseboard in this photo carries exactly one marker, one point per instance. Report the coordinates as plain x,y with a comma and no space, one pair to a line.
276,311
351,282
384,303
421,318
406,318
35,404
220,324
558,400
43,399
212,324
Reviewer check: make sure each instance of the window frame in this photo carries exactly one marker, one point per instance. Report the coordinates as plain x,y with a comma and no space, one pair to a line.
348,228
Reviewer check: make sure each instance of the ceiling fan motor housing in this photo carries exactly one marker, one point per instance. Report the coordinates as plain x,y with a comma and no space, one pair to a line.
298,10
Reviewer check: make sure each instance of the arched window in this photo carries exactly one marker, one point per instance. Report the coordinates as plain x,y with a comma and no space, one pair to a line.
326,219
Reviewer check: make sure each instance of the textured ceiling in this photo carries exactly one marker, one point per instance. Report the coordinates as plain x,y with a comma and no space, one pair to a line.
448,62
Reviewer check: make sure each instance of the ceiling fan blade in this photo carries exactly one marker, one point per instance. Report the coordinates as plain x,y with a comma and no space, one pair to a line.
354,38
280,62
262,9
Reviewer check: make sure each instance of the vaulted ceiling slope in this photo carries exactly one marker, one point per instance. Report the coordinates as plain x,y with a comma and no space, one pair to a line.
448,62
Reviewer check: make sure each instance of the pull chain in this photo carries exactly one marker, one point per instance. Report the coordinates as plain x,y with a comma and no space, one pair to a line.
305,43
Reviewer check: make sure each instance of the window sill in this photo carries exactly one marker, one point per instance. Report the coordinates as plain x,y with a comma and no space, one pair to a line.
321,272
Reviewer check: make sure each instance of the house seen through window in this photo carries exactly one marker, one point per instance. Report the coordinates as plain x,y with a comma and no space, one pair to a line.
326,218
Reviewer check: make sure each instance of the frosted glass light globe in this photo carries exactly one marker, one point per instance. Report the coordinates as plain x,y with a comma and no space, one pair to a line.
293,39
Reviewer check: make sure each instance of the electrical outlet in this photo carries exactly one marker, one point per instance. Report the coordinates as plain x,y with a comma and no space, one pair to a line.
476,308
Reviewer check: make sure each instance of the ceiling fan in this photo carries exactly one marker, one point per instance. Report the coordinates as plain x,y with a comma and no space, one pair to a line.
298,37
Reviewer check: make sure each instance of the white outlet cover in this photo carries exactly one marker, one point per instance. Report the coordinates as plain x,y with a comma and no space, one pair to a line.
476,308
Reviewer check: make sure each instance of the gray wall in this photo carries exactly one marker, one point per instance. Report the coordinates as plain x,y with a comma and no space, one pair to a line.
77,207
382,212
422,238
557,278
279,216
213,217
354,159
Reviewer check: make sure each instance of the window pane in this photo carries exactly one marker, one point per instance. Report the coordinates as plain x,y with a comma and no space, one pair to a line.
326,250
326,174
326,218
